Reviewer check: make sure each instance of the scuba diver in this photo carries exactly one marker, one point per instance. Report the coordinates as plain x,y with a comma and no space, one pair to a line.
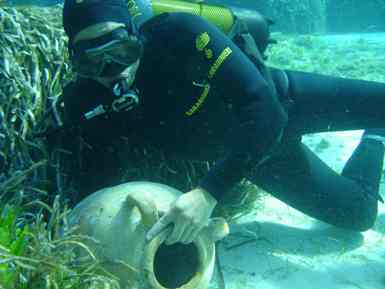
180,82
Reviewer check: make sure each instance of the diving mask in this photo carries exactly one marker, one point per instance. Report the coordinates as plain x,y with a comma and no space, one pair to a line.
107,56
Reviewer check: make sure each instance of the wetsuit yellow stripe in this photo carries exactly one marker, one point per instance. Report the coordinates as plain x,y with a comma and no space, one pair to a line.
200,100
201,43
221,58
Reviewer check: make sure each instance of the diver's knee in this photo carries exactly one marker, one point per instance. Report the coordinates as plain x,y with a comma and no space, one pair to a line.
281,82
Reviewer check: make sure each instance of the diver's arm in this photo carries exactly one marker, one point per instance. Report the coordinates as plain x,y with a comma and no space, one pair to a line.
252,149
259,120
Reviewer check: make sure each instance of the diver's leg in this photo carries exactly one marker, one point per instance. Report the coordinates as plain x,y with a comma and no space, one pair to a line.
366,163
331,103
299,178
327,103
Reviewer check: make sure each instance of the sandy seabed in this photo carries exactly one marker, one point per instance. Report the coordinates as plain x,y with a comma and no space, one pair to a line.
279,247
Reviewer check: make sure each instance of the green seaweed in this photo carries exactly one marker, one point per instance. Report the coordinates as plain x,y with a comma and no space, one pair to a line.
13,242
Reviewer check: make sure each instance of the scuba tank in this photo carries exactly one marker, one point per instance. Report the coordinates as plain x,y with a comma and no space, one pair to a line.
220,16
226,18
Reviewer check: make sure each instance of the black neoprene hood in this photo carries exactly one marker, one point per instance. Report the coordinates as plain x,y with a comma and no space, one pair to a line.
80,14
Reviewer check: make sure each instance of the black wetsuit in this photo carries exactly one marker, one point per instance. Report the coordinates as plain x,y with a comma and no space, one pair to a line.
202,98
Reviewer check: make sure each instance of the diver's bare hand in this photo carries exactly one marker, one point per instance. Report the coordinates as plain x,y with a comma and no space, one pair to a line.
188,215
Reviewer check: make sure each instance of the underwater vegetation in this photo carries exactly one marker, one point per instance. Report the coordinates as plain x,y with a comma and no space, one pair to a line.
33,68
351,58
34,251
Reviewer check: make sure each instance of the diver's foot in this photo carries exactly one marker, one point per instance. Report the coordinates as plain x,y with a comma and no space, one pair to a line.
377,134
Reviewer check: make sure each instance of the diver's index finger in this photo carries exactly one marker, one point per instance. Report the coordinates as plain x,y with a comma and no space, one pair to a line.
158,227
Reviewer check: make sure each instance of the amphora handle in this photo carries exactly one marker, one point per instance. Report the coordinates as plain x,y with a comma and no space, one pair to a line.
146,205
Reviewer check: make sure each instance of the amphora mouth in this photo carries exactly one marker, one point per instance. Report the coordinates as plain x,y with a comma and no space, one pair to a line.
178,265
